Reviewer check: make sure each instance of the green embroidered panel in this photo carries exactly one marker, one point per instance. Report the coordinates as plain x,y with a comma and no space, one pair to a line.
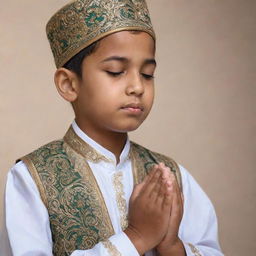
77,212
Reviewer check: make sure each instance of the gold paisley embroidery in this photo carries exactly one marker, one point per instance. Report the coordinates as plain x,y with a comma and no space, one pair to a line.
120,199
80,23
112,250
194,250
78,215
82,148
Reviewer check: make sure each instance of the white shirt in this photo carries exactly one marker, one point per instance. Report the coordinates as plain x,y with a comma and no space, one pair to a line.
27,219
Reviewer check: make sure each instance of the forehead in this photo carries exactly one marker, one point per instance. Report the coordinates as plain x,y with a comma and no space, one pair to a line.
127,44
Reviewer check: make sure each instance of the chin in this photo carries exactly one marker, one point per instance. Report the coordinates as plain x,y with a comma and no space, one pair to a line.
127,128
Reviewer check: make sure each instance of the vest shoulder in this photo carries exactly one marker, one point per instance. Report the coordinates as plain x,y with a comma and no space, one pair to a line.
47,149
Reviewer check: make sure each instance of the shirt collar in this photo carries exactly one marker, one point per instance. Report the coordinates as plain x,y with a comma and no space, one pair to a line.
100,149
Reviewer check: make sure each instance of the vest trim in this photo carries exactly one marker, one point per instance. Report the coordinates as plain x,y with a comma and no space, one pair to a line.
33,172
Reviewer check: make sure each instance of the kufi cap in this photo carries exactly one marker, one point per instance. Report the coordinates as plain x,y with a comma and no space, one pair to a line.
82,22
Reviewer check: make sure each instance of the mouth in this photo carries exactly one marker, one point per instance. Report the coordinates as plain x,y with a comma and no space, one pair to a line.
133,108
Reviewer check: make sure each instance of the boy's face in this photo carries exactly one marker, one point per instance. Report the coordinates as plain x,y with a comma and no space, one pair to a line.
117,87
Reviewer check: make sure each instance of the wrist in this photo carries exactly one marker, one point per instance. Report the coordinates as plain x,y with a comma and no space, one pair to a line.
136,239
176,249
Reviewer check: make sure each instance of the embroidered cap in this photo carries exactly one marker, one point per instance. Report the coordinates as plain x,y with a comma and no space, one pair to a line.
82,22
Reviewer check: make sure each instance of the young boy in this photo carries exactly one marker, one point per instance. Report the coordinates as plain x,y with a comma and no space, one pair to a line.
94,192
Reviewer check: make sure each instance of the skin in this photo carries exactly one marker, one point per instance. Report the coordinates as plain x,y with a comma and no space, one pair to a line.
153,197
113,97
117,75
171,245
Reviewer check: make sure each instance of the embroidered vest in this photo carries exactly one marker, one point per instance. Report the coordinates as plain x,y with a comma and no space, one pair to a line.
78,215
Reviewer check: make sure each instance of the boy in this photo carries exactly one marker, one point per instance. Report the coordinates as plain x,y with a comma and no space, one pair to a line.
72,195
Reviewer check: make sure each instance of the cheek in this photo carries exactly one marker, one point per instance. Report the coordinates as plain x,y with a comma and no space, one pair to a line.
100,86
103,102
150,94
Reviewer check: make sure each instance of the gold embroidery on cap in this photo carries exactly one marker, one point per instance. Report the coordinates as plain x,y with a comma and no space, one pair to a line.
81,23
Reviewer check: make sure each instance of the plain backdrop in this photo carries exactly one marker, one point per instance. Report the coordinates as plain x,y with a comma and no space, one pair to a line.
204,112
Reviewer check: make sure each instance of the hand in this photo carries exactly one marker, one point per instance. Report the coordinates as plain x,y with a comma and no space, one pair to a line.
171,244
149,211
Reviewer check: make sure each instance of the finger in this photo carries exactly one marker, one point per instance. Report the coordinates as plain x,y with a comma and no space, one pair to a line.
165,170
178,200
168,197
136,191
158,192
167,174
176,216
178,192
169,186
163,190
139,187
152,186
150,175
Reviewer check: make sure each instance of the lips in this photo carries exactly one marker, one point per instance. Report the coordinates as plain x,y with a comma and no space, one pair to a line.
133,108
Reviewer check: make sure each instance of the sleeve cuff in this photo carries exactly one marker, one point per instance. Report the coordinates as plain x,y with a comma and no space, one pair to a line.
123,244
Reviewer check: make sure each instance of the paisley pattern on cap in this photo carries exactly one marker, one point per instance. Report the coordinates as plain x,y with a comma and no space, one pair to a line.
82,22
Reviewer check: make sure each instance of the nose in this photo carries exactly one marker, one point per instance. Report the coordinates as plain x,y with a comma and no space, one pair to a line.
135,84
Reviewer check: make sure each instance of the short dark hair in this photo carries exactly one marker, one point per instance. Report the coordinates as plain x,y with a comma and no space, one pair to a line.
75,63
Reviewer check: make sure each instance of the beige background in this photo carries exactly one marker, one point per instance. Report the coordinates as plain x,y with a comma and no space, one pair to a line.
204,113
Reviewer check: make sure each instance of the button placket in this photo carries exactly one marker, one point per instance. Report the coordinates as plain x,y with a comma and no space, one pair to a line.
120,198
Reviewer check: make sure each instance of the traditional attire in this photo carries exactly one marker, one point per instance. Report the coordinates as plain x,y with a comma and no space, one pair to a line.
76,202
70,197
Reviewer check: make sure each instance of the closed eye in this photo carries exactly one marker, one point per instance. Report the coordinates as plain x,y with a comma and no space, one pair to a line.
114,73
146,76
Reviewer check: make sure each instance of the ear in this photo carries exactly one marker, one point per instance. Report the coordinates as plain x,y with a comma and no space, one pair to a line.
67,84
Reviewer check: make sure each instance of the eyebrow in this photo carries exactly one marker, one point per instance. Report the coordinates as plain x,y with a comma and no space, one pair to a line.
124,59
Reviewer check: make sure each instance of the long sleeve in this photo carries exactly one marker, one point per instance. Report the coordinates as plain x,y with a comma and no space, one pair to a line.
198,229
28,227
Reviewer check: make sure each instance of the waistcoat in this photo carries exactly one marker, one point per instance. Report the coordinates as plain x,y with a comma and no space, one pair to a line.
78,215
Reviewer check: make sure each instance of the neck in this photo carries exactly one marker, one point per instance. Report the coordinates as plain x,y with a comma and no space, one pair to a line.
112,141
